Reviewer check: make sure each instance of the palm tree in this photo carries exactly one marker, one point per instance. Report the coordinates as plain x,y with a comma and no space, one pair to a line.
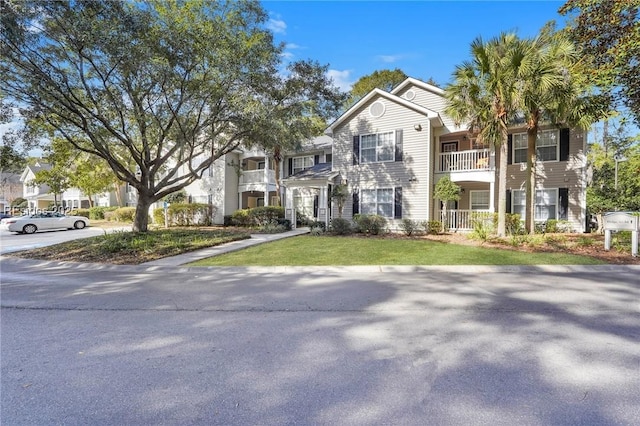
484,95
549,90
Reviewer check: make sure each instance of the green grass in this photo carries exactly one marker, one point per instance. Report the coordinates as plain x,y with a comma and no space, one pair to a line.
313,250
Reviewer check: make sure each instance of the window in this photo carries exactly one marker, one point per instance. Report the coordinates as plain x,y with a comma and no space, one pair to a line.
377,147
328,158
377,201
546,204
546,146
479,200
301,163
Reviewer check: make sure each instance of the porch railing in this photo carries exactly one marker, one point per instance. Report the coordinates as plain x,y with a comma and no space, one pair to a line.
463,220
461,161
256,176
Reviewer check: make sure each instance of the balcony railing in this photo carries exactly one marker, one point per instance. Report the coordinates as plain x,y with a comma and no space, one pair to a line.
463,161
256,176
463,220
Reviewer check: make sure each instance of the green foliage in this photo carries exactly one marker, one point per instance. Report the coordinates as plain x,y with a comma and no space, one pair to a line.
339,194
151,85
372,224
124,214
607,32
19,203
97,213
80,212
11,161
241,218
176,197
409,226
318,225
383,79
264,215
185,214
340,226
446,190
555,226
514,224
432,227
482,224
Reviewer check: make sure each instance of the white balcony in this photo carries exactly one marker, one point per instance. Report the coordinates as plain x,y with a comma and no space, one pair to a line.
253,177
472,165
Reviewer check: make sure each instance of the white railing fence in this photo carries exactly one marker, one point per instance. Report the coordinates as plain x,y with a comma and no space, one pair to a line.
463,220
474,159
256,176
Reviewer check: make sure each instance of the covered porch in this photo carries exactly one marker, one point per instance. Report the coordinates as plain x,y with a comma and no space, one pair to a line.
477,202
308,193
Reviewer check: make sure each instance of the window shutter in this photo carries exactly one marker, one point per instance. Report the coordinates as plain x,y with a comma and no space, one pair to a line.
399,145
316,159
510,147
356,150
315,206
563,203
564,144
508,201
356,203
397,201
290,167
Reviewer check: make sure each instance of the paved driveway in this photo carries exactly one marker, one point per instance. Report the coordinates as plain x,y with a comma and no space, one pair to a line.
352,346
10,241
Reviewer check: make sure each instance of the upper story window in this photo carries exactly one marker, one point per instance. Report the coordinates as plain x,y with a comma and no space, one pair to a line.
377,147
547,146
301,163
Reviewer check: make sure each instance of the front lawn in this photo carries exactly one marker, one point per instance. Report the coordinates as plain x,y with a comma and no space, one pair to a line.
130,248
320,250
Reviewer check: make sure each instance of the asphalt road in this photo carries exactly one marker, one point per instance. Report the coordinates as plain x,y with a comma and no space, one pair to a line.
299,346
10,241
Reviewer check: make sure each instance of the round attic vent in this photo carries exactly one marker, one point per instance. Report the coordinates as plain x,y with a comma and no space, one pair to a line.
410,95
376,109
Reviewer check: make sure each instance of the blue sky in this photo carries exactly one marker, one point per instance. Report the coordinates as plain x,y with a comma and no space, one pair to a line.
423,38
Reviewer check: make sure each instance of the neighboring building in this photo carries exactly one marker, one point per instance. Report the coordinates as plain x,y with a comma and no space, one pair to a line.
10,189
390,149
37,196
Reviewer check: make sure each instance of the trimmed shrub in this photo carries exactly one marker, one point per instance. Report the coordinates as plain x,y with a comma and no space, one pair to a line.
432,227
317,225
19,203
340,226
97,213
80,212
188,214
124,214
409,226
265,215
370,223
286,223
227,220
241,217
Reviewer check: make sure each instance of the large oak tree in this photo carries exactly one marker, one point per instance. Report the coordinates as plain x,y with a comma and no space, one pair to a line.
158,89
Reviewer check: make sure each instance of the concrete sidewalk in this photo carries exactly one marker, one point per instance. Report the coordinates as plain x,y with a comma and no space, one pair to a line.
255,239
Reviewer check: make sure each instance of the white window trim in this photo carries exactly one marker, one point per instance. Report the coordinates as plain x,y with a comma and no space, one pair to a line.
557,203
513,148
376,207
471,198
393,147
303,157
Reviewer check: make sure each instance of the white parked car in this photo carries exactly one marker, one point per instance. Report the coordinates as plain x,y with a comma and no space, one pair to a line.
30,223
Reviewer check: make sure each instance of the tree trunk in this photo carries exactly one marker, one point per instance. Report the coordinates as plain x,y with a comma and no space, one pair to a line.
90,197
530,193
502,188
118,194
141,219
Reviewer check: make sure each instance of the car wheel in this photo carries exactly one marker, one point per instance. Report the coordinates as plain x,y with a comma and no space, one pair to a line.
29,229
79,224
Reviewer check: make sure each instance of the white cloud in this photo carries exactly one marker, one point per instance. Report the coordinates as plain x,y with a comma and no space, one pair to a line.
293,46
287,56
389,59
278,26
341,79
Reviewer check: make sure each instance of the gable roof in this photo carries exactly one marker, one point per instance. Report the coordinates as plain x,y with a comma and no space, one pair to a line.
415,82
432,115
33,168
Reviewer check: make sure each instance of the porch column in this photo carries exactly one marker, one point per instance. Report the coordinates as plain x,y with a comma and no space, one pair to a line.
492,196
323,215
266,180
289,208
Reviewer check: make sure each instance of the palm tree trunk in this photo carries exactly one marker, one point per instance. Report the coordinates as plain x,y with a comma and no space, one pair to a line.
502,188
530,184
